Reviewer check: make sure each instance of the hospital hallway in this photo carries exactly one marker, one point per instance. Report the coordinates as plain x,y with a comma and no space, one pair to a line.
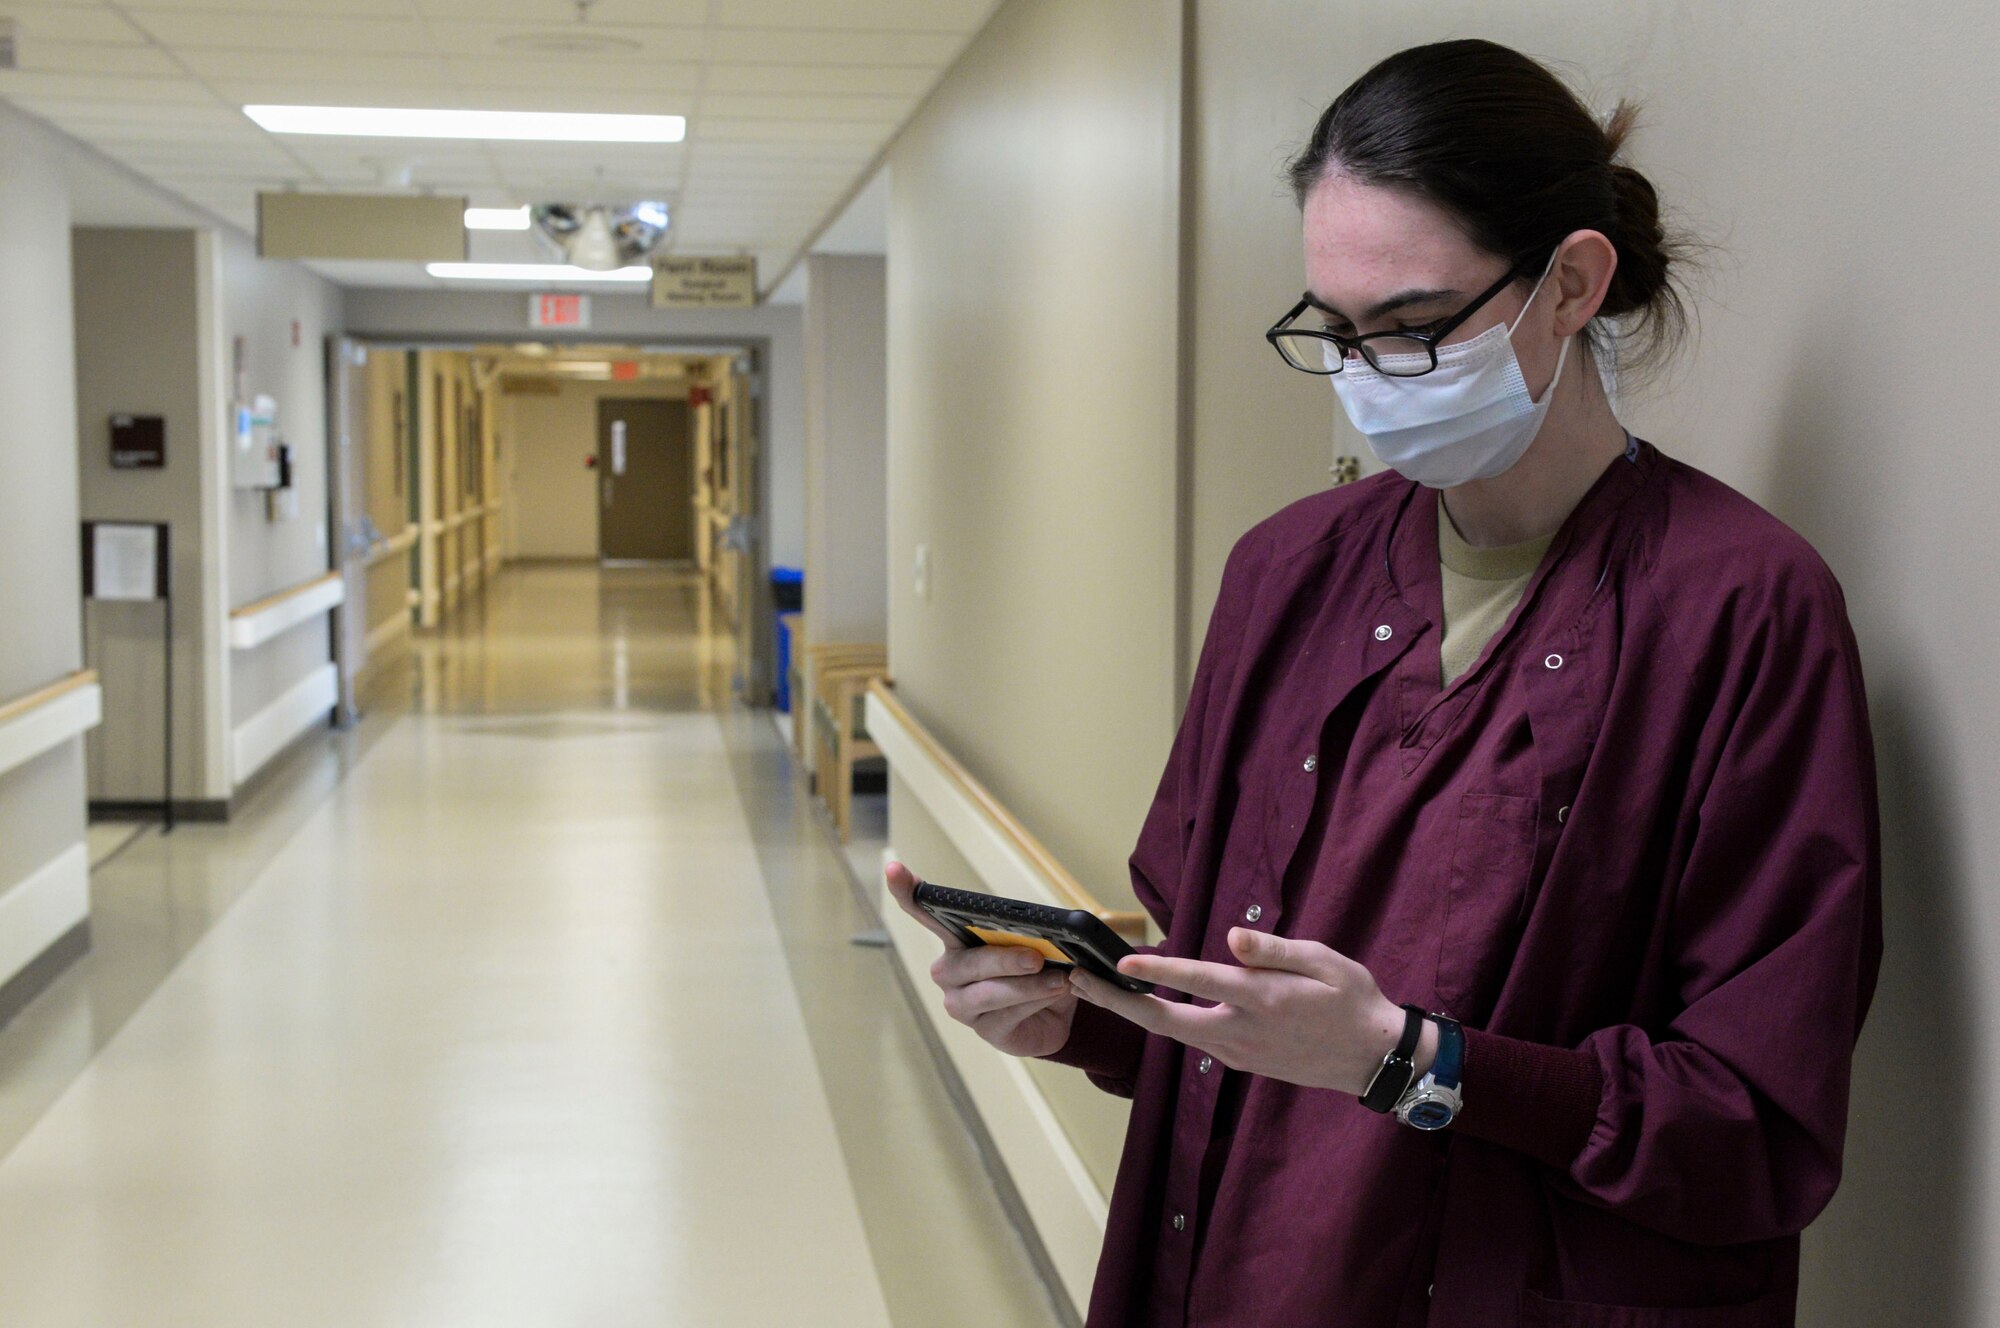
531,1000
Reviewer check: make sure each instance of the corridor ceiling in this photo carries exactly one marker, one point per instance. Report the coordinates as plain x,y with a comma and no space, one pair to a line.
787,101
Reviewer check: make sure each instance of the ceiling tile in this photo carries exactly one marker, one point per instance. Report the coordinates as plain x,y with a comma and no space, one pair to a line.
781,46
338,69
312,31
787,101
794,131
557,81
520,41
97,59
333,92
960,16
70,23
25,87
562,13
166,120
836,80
769,106
144,9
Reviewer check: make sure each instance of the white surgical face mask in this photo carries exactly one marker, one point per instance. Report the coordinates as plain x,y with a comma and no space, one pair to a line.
1470,418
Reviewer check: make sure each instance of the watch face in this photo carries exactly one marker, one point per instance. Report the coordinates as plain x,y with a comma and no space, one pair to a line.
1431,1114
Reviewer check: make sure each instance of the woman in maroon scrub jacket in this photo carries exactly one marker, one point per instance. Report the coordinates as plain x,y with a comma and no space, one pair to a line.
1527,995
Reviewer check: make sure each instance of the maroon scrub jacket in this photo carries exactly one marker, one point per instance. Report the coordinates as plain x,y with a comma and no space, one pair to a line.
1634,849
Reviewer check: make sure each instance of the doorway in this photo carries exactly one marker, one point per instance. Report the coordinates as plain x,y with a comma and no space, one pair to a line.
645,447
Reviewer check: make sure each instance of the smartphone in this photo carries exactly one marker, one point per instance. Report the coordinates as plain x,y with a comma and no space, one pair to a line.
1067,937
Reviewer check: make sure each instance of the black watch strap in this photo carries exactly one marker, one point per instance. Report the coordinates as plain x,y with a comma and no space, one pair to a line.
1398,1067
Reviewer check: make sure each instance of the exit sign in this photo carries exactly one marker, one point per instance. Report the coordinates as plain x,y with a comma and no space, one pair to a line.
559,311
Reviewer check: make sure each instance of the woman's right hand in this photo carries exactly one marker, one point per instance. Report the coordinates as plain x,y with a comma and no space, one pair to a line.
1000,992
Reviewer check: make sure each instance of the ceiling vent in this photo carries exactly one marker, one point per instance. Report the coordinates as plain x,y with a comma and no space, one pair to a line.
599,236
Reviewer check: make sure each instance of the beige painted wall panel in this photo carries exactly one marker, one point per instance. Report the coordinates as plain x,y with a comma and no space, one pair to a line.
1837,161
1033,206
847,520
41,803
261,300
551,495
136,328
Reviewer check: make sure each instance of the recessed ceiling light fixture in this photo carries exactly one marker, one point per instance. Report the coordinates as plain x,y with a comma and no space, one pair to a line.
553,273
521,126
497,219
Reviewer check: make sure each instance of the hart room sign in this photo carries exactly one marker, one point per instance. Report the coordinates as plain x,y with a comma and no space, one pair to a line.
704,283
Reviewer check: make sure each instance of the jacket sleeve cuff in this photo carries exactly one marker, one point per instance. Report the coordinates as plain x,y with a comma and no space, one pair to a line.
1528,1096
1105,1046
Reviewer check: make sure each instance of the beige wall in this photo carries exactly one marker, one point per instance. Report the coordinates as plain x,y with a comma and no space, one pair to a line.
1033,205
137,327
41,802
546,441
1837,160
846,482
260,300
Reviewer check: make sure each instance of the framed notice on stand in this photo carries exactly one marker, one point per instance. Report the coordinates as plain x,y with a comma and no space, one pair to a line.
128,561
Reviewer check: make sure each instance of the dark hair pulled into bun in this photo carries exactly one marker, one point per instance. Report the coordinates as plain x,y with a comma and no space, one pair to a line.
1502,145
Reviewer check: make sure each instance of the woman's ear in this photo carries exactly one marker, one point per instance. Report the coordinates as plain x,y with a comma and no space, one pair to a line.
1584,263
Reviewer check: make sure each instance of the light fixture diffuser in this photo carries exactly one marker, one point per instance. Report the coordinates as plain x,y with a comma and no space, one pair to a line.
497,219
524,126
543,272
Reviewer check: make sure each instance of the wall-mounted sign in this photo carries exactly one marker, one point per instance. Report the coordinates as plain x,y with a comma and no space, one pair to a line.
405,227
138,442
124,560
704,283
559,311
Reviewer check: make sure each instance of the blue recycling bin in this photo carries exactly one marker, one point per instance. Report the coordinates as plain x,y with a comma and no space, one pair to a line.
787,596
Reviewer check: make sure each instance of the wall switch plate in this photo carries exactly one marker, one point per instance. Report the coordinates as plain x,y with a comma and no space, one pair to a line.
922,581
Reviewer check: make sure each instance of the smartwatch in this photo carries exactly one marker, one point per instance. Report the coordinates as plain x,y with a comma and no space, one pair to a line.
1393,1076
1434,1101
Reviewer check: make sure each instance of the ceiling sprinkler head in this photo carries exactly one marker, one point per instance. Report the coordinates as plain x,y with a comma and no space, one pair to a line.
601,237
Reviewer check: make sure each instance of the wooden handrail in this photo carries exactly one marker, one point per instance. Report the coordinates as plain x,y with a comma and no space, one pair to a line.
256,607
400,542
1128,924
35,700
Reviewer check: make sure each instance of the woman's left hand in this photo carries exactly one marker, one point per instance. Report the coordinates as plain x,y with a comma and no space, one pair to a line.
1296,1010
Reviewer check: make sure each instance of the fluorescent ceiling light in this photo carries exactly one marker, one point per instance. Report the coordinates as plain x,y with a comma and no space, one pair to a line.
549,272
497,219
539,126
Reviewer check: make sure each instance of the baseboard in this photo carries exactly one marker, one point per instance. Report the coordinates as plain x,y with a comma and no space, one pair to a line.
272,729
185,809
18,991
274,769
37,912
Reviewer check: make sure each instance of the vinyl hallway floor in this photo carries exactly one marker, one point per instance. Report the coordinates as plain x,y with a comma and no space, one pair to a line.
531,1001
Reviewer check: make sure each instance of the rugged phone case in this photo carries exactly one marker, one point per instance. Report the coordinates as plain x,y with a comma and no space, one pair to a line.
1067,936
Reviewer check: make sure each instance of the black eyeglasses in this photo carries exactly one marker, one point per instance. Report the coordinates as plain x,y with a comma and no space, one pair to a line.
1396,354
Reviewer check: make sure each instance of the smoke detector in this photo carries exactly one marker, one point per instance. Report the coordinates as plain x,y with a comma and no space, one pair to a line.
601,236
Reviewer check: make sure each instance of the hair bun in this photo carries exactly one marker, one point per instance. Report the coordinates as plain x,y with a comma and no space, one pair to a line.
1641,240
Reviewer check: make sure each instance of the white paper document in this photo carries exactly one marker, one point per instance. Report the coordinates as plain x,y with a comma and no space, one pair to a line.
125,561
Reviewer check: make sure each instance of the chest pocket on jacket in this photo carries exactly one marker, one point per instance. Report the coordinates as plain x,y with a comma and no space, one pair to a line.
1486,883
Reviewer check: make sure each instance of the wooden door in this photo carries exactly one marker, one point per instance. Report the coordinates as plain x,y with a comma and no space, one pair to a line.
645,460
